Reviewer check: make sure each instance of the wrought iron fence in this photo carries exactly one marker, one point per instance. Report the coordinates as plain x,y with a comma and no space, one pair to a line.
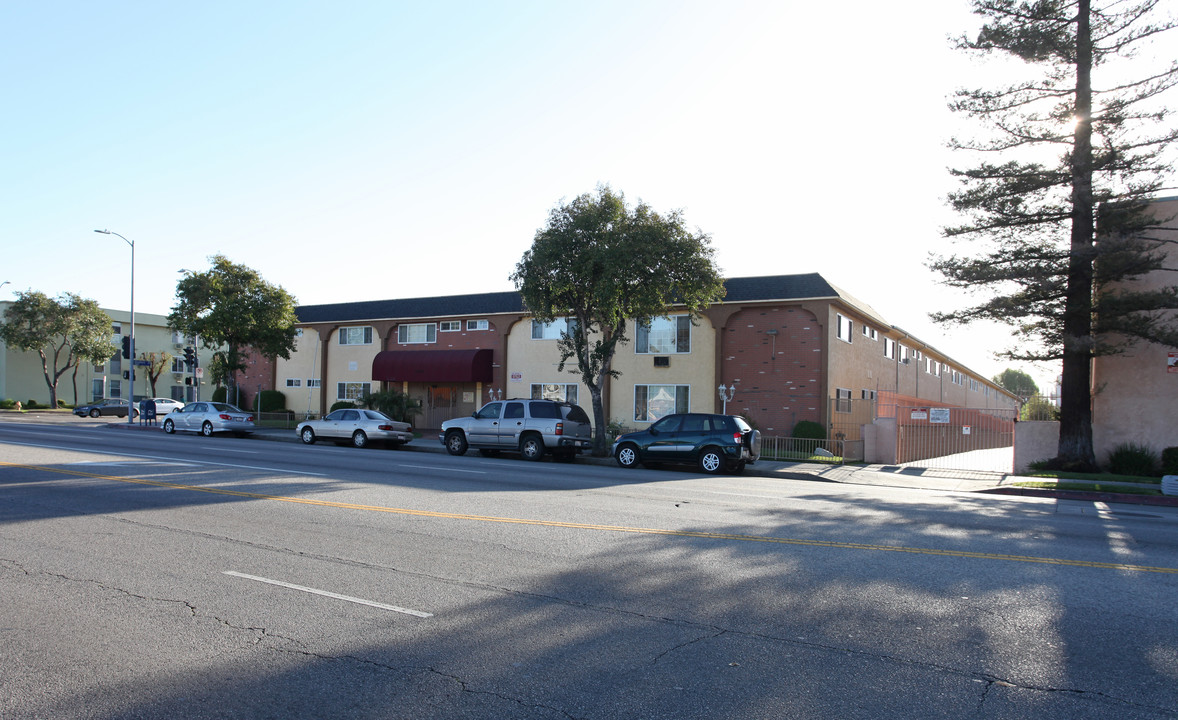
789,449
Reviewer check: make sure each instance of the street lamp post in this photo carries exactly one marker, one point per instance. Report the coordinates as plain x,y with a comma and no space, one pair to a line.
130,395
726,395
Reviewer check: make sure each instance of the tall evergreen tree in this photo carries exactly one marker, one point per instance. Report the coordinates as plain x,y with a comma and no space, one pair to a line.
1074,153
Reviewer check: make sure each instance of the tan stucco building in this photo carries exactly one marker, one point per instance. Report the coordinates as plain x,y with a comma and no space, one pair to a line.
22,377
794,346
1135,394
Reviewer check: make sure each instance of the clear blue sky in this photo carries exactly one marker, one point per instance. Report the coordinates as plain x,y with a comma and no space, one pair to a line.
365,150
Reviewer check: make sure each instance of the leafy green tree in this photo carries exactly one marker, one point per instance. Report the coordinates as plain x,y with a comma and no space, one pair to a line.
598,263
64,332
231,307
1075,151
1017,382
157,363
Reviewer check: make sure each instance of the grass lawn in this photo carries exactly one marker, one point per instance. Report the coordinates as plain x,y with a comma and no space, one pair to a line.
1092,487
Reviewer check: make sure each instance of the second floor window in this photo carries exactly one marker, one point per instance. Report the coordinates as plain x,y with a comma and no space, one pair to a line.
417,333
355,336
552,330
664,336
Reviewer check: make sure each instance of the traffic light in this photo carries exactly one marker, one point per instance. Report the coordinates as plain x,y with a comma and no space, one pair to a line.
189,357
127,346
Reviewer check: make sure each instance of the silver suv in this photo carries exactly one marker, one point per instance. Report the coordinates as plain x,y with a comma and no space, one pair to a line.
529,427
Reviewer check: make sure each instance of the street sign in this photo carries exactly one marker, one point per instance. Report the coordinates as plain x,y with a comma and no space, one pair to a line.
143,363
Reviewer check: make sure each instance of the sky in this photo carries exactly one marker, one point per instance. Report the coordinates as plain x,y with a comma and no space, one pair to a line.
356,150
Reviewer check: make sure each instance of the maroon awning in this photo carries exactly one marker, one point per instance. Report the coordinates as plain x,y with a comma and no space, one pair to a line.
432,366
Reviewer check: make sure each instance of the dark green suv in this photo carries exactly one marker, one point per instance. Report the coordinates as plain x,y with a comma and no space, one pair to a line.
715,443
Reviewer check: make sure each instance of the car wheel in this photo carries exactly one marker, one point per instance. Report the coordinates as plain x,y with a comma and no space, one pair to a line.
456,442
308,436
207,429
531,447
94,412
627,456
359,439
134,414
711,460
169,427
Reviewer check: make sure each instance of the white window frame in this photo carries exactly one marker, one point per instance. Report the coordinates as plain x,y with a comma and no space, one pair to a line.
889,348
356,335
673,334
844,328
294,382
842,400
477,325
450,326
870,332
352,390
552,330
561,392
314,382
682,400
407,333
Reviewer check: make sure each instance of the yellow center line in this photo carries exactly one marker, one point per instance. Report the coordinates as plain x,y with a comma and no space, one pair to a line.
610,528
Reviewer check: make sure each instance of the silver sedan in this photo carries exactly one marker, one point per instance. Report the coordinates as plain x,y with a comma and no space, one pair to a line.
358,426
207,418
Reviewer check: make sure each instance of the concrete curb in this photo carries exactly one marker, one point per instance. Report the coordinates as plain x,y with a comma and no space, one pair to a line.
982,483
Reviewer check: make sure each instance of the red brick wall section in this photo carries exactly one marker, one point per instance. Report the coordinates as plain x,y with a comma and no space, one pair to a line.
778,376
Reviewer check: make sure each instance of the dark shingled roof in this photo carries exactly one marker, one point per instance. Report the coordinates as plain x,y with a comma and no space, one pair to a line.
749,289
448,306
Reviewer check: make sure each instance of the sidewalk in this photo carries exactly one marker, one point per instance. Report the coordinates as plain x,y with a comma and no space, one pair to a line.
974,481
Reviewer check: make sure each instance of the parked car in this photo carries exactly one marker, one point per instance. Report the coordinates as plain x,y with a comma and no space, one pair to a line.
529,427
163,406
359,426
715,443
207,418
109,406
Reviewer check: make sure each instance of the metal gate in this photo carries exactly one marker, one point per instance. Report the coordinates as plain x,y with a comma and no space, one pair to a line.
440,405
955,438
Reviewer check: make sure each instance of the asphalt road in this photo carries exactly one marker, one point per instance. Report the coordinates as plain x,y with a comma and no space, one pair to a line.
152,576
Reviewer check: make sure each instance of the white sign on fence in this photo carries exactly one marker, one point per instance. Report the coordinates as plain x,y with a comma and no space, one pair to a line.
938,415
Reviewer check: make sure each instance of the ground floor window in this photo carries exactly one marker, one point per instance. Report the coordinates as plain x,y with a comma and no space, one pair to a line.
352,390
652,402
842,401
115,388
294,382
561,392
98,389
314,382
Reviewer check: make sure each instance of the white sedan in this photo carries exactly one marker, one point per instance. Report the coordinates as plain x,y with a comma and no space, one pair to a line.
358,426
207,418
163,406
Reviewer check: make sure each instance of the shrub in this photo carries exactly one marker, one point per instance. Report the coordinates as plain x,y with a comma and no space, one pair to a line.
220,393
809,430
1170,461
7,404
270,401
1133,459
394,403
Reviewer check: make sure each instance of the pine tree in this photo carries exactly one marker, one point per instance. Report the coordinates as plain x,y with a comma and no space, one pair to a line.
1055,207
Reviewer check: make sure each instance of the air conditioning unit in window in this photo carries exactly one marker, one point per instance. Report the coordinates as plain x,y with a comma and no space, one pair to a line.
663,362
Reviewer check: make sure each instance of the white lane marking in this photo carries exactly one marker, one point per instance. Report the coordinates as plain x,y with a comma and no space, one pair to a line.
313,591
167,459
440,467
